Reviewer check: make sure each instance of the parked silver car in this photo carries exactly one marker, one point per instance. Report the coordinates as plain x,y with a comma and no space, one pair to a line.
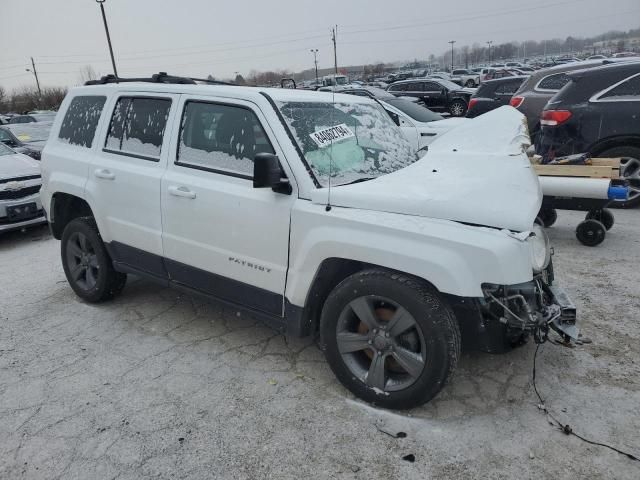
20,183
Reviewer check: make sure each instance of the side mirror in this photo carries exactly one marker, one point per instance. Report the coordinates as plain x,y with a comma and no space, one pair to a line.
267,173
444,91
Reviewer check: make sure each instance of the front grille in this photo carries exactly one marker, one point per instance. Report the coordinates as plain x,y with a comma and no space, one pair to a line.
15,194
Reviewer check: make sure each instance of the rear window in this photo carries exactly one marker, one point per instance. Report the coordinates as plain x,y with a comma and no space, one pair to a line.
508,88
81,120
137,126
628,90
553,82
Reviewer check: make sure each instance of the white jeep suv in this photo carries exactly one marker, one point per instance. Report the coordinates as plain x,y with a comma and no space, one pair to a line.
312,211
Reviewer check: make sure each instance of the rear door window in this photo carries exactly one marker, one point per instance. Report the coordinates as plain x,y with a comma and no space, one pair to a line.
80,122
137,126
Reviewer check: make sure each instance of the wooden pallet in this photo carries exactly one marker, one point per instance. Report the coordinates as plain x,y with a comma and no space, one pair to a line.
599,168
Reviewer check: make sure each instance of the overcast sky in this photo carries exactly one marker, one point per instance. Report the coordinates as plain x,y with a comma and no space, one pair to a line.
201,37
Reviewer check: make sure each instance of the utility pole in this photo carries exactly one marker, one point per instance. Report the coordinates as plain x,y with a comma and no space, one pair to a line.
315,61
489,43
106,29
452,42
35,74
334,32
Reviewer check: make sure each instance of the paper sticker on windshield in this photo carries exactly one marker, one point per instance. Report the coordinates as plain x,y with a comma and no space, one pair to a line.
326,136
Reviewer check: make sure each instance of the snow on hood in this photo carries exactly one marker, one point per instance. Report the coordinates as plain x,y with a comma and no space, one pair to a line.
503,130
18,165
477,173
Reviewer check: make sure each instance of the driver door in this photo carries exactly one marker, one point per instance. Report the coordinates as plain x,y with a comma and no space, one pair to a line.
220,235
434,99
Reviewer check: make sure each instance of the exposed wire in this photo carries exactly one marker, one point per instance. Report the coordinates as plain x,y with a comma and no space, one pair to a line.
566,429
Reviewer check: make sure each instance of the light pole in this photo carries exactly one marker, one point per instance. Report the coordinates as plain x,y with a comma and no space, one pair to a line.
35,74
452,42
315,61
106,29
489,43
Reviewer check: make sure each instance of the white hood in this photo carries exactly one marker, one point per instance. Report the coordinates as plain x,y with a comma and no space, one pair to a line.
18,165
477,173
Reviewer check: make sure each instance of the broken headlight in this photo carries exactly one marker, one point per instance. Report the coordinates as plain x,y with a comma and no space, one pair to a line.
540,249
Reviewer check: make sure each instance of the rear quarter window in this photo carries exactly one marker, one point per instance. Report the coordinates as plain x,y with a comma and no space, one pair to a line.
81,119
627,90
553,82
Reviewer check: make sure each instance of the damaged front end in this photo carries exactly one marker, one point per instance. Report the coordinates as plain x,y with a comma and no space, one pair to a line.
508,315
530,309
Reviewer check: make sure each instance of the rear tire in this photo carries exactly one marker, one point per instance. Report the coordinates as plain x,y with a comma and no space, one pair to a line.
87,264
470,84
629,170
458,108
392,340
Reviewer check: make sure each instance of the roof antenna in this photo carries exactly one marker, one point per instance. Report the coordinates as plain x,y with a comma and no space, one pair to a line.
333,105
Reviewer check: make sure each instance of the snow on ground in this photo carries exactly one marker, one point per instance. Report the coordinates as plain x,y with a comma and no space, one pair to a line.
159,384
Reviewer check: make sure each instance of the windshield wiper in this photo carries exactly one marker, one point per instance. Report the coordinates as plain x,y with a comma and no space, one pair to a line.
359,180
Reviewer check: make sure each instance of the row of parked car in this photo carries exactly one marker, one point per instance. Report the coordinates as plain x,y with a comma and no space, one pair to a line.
578,107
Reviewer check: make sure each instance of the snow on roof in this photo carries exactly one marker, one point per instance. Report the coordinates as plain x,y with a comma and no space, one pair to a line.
231,91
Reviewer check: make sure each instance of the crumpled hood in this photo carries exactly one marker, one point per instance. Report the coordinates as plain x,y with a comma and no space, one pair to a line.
477,173
18,165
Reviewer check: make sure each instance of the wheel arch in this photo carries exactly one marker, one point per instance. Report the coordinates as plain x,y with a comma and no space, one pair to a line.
63,209
617,141
329,274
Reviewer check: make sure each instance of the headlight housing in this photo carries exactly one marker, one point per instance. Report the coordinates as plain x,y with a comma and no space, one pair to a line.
540,249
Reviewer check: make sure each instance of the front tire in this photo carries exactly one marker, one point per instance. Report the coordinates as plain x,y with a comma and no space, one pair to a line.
392,340
87,264
470,84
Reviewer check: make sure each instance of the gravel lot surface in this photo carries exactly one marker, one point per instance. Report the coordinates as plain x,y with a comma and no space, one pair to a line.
157,384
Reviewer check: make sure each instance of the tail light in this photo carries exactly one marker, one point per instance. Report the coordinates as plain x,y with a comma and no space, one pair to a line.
551,118
472,103
515,102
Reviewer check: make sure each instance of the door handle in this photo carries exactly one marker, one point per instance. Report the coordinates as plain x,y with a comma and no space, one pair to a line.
105,174
181,192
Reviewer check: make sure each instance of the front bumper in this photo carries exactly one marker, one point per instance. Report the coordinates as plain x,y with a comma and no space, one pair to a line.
532,308
38,217
6,227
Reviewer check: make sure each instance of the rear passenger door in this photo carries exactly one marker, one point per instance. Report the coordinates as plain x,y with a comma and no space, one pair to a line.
124,179
221,236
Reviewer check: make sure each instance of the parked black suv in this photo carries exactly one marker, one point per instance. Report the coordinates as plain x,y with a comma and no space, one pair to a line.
493,94
598,112
438,95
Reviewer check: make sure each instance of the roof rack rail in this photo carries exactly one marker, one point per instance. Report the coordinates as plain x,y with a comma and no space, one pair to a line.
161,77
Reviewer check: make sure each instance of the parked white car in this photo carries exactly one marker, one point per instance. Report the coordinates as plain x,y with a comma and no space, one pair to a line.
20,182
311,211
467,77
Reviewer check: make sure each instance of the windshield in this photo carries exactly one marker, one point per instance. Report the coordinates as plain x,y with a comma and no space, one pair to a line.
349,141
449,85
4,150
342,80
5,136
413,110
